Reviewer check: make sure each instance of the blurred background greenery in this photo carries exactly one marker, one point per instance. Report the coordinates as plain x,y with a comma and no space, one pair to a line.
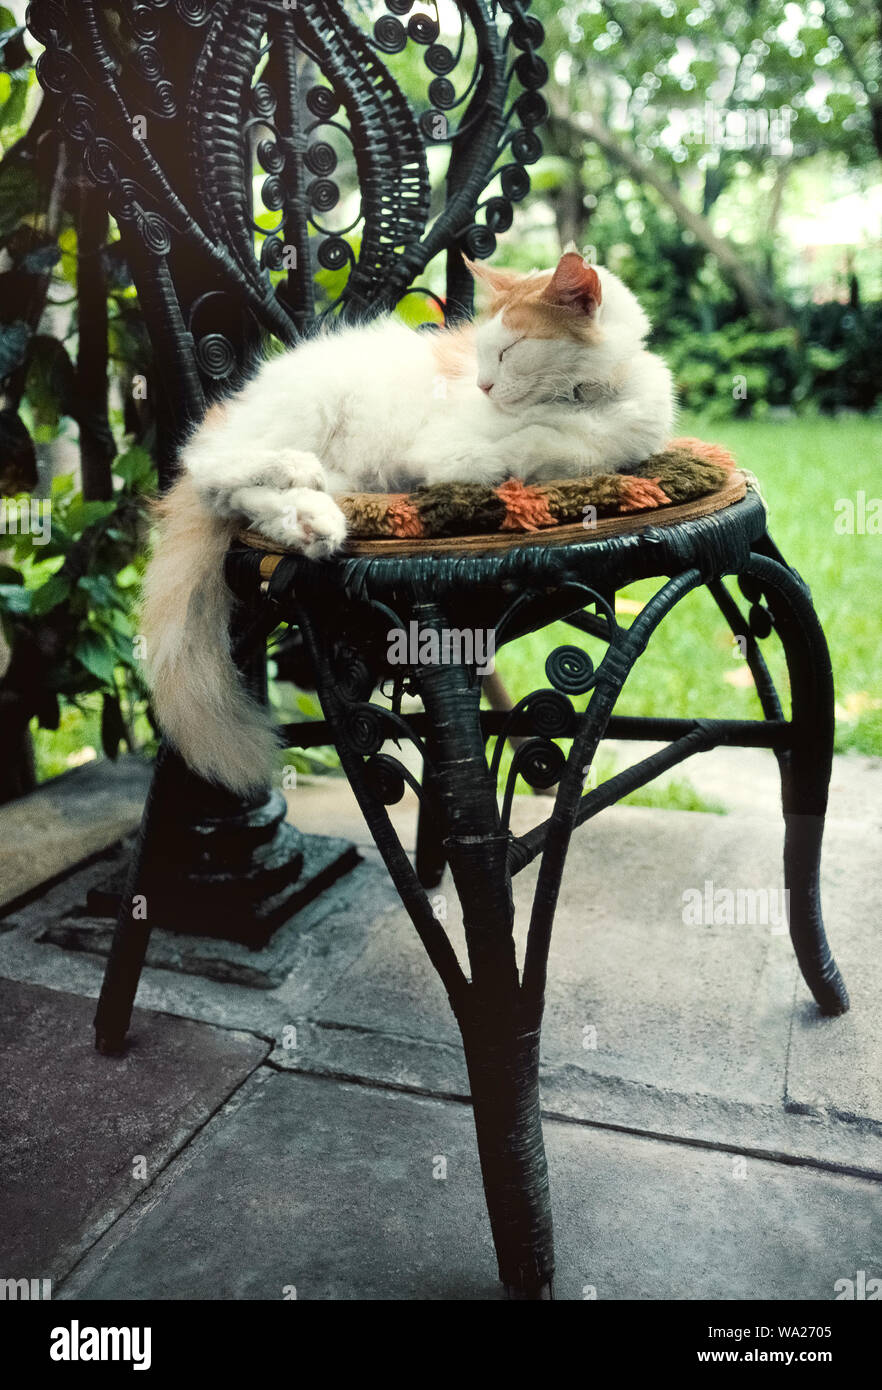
723,158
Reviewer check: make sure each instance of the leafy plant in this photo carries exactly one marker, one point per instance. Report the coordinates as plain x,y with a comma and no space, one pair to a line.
67,602
825,362
68,583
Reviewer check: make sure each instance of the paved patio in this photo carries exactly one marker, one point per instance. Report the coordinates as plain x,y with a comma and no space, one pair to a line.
709,1135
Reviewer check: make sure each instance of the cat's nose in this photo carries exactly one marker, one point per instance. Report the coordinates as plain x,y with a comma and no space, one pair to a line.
485,386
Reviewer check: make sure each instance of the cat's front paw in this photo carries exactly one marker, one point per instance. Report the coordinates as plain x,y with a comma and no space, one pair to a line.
295,468
256,473
307,521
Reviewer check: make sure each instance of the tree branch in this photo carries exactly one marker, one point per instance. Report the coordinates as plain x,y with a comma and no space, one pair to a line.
769,309
874,101
847,51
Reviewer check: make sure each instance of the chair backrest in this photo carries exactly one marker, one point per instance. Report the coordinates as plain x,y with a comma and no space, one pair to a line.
269,162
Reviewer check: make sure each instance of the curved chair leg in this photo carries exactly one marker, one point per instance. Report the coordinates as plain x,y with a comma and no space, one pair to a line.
805,774
193,835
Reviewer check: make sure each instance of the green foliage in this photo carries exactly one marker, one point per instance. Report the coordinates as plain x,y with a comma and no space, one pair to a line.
69,596
651,57
802,85
69,566
16,76
739,370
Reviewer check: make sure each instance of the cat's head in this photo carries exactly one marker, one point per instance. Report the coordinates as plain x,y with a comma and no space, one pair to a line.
544,334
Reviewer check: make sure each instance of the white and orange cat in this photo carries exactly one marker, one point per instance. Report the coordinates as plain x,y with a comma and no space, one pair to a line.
552,380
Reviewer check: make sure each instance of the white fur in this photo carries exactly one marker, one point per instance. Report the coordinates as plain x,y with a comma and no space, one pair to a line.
367,409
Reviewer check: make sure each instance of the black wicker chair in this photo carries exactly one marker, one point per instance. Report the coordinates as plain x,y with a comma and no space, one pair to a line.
173,101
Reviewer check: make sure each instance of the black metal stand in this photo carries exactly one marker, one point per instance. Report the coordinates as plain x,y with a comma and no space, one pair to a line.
221,865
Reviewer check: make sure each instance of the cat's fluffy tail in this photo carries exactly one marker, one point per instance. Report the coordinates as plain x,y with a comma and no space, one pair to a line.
199,699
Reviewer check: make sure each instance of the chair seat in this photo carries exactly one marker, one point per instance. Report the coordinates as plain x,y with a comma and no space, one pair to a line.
604,528
476,576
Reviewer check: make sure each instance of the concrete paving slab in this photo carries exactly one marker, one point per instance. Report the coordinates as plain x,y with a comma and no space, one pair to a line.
652,1023
334,1192
66,820
776,1132
82,1134
331,933
832,1069
633,992
745,781
692,1023
327,805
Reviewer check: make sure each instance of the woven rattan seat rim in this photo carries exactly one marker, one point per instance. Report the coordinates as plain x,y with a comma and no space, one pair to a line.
733,490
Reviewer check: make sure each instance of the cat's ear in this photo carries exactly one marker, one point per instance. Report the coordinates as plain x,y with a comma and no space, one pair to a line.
498,280
574,285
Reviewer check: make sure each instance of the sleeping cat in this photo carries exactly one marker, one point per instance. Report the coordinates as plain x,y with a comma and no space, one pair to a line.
552,380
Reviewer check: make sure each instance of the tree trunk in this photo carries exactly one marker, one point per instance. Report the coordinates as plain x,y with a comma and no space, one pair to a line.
771,311
570,213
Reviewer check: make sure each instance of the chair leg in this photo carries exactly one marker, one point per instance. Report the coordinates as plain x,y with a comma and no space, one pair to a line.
430,857
500,1032
805,775
132,935
802,859
503,1065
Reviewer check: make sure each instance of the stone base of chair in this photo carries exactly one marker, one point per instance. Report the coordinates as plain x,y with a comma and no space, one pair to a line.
184,946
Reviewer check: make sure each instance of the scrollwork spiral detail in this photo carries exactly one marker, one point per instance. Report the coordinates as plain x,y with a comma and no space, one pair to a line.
550,713
540,763
194,12
364,730
570,670
216,356
390,34
154,232
384,778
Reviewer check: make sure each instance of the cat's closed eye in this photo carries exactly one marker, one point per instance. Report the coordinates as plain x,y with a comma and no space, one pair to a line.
503,351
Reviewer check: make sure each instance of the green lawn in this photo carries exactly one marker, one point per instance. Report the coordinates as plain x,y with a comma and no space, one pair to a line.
690,667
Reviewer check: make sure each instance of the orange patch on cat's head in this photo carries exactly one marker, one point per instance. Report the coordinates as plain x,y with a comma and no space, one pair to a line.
559,303
454,350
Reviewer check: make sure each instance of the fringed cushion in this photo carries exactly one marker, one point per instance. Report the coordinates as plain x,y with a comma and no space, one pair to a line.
687,469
